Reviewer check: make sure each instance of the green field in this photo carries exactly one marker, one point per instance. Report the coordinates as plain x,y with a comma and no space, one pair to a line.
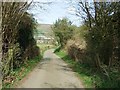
44,47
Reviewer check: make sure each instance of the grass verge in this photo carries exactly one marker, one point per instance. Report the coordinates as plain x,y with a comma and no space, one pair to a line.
44,47
90,76
86,80
21,72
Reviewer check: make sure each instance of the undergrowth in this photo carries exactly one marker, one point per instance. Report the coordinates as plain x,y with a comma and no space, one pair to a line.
21,72
90,76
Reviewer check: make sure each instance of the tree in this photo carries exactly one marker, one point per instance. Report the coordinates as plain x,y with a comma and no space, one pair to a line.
17,35
63,31
101,37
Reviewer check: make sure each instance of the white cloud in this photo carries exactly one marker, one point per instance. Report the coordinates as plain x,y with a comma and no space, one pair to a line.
71,10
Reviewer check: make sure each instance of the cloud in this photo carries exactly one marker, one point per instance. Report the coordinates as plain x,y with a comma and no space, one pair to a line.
71,10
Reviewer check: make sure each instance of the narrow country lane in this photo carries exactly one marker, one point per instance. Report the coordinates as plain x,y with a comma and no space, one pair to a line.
52,72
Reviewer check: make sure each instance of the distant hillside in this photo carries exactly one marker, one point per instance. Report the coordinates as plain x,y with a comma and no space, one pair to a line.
44,26
45,29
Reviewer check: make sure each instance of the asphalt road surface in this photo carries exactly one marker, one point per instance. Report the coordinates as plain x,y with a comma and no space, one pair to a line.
51,72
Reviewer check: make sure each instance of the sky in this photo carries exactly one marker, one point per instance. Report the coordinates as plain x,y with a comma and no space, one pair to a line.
49,13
